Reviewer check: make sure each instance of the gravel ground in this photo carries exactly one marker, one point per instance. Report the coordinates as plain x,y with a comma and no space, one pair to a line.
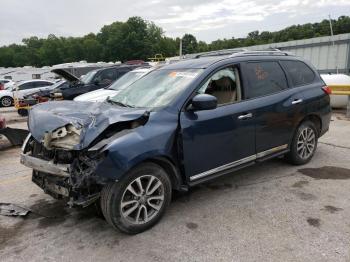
269,212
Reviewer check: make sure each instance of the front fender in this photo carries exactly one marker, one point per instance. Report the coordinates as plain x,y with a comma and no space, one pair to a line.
155,139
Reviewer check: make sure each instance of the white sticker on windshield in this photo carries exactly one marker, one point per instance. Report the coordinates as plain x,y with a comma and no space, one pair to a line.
183,74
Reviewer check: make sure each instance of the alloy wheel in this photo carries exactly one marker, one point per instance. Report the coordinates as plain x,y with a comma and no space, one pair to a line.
142,199
6,101
306,143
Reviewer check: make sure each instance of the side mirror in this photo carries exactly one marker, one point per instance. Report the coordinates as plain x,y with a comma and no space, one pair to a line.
97,82
204,102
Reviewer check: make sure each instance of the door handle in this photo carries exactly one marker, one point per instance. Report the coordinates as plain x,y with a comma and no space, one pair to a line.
242,117
297,101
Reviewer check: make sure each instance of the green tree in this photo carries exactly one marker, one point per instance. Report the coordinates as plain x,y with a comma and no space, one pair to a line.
140,39
189,44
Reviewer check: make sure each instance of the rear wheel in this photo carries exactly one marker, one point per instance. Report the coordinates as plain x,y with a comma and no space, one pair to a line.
6,101
304,144
137,202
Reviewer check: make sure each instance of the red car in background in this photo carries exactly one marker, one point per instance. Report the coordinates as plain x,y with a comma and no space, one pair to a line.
2,122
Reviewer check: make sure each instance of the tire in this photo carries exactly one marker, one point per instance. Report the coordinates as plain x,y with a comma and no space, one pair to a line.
6,101
22,112
302,150
141,209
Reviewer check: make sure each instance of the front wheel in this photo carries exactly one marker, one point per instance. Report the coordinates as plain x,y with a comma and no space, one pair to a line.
304,144
137,202
6,101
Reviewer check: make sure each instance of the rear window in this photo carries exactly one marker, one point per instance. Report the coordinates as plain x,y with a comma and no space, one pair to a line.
264,78
299,73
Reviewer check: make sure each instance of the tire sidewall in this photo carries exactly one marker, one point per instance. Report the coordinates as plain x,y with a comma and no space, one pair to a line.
296,159
119,188
2,101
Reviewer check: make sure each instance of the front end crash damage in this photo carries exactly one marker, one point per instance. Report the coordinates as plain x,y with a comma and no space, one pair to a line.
63,137
64,158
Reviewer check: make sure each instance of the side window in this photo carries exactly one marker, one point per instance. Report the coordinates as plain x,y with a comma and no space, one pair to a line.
40,84
224,85
264,78
299,73
26,86
47,84
64,85
106,76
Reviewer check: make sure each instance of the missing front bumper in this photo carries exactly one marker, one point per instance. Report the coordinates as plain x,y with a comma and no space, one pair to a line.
45,166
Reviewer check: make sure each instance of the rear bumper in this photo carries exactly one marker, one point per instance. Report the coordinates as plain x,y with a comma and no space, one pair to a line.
61,170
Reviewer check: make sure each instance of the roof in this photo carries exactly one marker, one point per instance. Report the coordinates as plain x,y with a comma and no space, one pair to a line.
35,80
196,63
202,62
143,69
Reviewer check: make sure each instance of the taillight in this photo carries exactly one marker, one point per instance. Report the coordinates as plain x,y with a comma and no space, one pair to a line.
327,90
2,87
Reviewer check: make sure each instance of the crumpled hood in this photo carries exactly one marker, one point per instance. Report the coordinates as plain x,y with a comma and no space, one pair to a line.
97,96
90,118
66,75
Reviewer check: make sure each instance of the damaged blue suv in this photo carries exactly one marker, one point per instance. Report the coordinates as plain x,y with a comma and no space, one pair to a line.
180,125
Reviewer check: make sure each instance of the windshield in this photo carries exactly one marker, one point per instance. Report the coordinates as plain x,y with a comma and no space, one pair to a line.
57,84
127,80
157,89
86,79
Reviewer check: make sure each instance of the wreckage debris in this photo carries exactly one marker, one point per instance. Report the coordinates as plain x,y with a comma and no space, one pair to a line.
8,209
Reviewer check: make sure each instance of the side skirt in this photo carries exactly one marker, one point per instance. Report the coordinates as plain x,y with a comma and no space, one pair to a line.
239,164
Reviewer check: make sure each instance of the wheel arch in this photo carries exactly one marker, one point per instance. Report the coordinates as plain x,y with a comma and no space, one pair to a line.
314,119
170,168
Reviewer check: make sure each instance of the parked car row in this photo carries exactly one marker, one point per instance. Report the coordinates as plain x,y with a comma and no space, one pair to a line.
172,128
29,91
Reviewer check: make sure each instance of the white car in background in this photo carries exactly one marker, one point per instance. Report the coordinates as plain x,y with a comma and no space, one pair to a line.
22,88
337,101
101,95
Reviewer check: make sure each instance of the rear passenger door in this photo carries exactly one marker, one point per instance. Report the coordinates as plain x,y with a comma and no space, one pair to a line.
278,108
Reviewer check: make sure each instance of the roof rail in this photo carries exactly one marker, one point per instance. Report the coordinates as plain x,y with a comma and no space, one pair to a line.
220,52
262,52
238,52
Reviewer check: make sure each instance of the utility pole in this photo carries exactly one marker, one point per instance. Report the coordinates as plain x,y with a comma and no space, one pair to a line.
180,51
332,38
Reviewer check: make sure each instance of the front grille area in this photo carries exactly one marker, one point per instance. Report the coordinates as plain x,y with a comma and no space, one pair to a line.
58,155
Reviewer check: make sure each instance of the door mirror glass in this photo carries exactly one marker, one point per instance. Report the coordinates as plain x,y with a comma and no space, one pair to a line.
204,102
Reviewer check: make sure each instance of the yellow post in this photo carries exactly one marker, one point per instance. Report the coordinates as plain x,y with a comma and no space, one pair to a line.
342,90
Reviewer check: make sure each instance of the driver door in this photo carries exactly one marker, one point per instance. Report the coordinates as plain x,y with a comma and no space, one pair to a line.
218,140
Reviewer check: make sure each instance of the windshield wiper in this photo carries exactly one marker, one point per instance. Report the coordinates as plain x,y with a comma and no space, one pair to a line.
117,103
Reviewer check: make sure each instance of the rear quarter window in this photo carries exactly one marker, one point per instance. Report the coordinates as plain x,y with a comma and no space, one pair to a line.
299,73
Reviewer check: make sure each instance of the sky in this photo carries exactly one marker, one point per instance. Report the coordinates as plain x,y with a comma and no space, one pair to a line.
208,20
